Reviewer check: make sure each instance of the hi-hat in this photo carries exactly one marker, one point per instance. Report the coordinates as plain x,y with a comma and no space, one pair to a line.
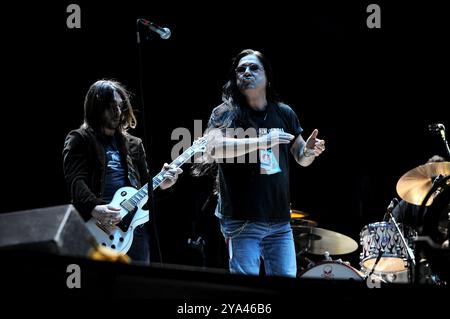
303,222
298,214
416,183
317,241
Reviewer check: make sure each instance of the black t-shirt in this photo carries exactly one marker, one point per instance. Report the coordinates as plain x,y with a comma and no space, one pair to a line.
259,190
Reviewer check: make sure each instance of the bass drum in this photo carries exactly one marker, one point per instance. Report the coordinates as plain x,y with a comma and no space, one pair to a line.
332,270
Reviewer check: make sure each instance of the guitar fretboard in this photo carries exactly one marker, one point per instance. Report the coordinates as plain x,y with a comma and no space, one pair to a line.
142,193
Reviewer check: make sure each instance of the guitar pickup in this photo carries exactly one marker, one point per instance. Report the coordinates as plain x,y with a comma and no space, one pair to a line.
124,224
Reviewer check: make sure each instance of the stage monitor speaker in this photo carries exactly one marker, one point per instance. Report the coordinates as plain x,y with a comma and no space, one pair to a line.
58,230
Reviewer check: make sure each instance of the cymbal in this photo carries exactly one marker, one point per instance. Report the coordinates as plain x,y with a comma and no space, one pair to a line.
416,183
303,222
298,214
319,240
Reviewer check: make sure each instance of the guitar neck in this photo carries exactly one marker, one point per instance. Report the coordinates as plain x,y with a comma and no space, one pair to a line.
159,178
180,160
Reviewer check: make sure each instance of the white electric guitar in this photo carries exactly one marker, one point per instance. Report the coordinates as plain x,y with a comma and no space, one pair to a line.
130,201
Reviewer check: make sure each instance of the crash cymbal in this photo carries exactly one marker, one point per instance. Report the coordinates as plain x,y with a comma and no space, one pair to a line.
416,183
303,222
298,214
317,241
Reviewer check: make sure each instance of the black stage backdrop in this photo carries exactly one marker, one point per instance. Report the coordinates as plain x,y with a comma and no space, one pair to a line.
371,93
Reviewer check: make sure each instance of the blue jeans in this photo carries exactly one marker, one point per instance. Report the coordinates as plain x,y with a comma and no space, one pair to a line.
248,241
140,248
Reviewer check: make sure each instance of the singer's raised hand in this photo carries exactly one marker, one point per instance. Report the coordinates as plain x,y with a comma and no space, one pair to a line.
314,146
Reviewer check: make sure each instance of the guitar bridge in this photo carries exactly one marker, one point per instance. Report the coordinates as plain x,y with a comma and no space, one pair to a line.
102,227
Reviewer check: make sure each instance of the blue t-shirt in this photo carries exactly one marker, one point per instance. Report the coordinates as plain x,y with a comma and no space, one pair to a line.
115,172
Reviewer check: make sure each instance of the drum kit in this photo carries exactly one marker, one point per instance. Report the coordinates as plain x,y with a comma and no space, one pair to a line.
312,241
388,248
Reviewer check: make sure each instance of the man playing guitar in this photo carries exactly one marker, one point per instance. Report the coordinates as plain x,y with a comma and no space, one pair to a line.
101,157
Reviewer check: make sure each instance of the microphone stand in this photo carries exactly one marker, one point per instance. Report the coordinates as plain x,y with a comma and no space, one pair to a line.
151,198
442,133
446,145
440,128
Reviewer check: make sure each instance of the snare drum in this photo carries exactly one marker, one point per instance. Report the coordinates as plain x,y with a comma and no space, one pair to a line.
384,235
332,270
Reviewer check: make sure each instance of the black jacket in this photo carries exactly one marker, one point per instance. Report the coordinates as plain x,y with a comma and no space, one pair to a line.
84,164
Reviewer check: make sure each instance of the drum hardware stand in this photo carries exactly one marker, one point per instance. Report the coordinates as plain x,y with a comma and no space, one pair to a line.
388,215
440,128
440,183
305,249
428,276
302,253
380,254
198,244
309,261
411,259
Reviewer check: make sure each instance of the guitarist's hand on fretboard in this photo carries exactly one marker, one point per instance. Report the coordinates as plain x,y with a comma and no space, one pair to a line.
171,175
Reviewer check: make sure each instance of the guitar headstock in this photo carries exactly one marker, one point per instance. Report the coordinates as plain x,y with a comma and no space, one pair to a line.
199,144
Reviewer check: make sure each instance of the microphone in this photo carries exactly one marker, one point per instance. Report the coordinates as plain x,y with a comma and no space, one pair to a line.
439,128
390,208
164,33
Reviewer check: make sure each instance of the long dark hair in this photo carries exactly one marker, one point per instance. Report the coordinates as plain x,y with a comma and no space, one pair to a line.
98,99
234,107
234,110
